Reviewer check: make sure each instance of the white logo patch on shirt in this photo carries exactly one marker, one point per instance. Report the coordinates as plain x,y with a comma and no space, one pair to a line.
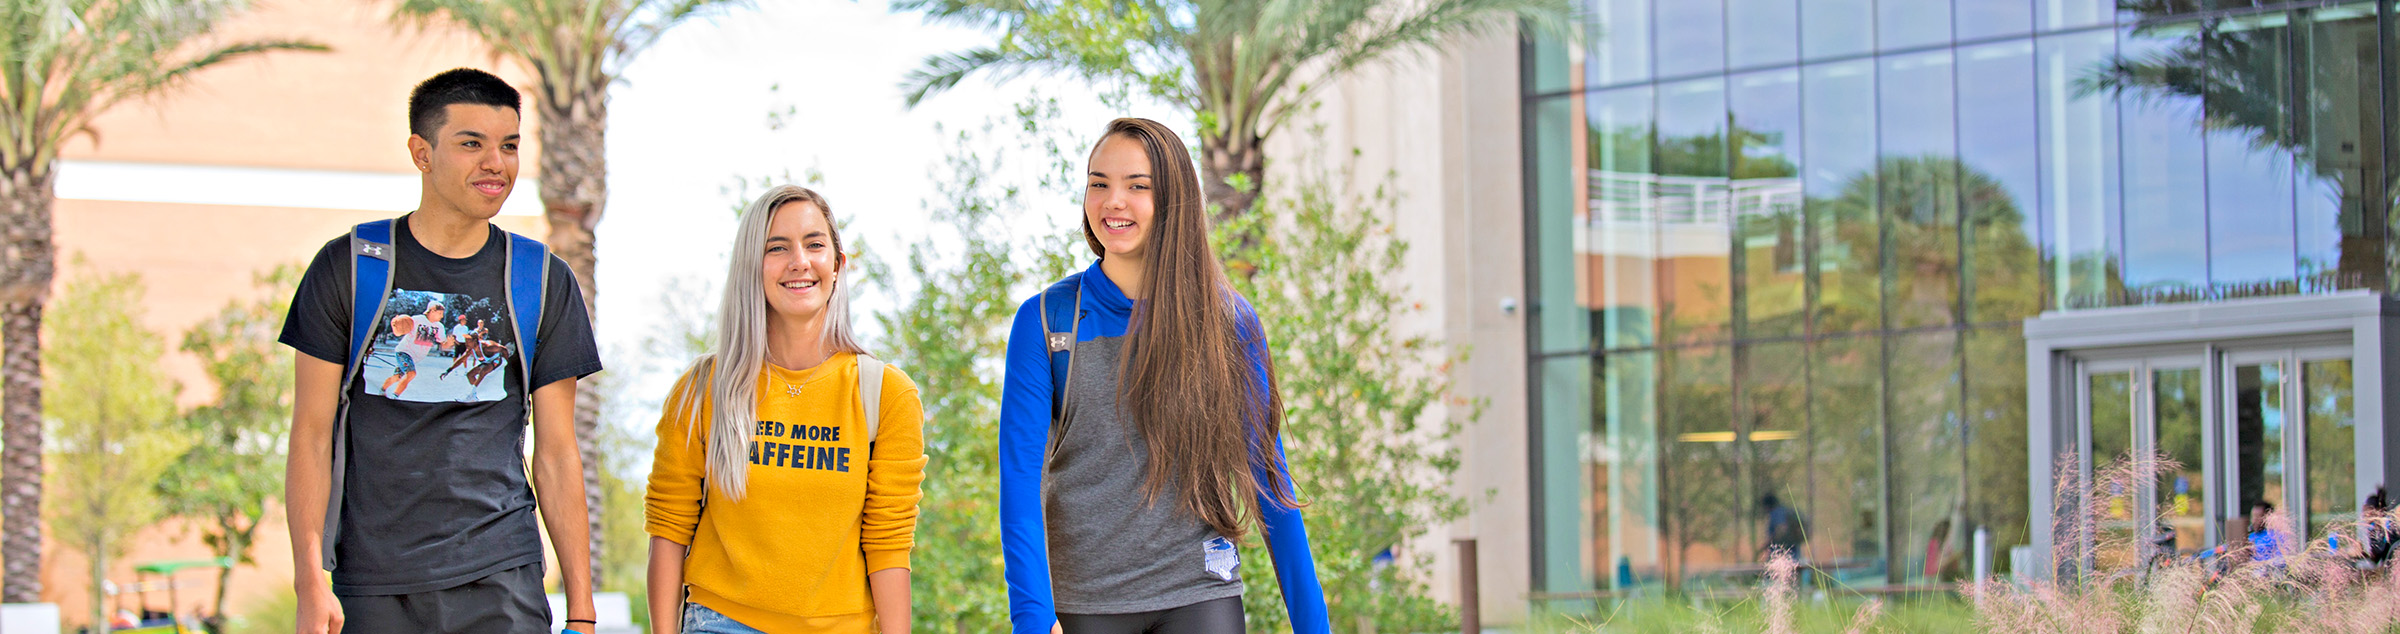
1220,557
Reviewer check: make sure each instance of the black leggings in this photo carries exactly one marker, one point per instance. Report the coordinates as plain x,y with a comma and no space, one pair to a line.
1218,616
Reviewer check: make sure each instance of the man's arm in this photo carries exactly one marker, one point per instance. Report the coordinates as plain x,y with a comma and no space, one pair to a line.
307,485
558,486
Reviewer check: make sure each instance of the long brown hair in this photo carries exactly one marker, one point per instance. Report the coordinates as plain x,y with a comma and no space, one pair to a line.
1208,420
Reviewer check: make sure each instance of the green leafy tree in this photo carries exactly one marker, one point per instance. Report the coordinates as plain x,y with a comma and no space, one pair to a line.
235,464
1367,457
1243,67
65,62
110,415
952,336
576,48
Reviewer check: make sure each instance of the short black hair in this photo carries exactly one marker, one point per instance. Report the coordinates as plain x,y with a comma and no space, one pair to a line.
427,104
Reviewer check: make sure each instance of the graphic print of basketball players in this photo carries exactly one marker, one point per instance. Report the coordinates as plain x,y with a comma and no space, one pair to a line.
419,336
470,345
488,357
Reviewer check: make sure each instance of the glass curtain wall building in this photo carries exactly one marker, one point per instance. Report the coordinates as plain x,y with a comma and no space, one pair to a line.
1786,257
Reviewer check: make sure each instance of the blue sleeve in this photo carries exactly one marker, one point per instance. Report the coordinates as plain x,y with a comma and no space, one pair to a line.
1287,533
1024,437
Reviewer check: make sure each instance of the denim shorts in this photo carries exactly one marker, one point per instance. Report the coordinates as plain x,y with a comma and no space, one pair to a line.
698,619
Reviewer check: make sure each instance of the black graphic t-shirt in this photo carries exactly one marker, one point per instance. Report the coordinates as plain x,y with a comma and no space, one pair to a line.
436,492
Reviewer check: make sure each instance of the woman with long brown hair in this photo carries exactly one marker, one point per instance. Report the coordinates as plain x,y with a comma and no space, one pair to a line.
1140,427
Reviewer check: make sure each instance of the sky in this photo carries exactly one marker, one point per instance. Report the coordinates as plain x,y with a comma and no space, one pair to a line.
832,71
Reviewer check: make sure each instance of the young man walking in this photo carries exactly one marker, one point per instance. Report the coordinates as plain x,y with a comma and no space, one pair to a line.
418,500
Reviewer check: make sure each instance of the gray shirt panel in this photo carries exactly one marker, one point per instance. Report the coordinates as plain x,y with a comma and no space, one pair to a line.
1111,553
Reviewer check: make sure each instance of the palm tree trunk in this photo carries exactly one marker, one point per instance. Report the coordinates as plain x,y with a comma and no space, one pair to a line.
1224,156
26,268
574,173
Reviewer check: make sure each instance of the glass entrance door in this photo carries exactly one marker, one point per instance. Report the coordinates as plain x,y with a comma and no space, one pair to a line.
2150,406
2289,436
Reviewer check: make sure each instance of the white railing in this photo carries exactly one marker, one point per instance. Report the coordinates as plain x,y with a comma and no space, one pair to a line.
1628,197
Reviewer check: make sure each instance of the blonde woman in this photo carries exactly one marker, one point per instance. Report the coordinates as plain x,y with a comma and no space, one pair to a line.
777,497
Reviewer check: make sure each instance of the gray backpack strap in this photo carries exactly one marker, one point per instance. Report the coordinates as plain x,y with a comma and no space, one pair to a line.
870,394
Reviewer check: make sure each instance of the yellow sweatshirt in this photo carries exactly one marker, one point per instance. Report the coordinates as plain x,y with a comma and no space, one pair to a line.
821,509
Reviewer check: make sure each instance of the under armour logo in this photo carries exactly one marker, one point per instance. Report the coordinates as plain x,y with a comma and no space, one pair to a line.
1060,342
371,249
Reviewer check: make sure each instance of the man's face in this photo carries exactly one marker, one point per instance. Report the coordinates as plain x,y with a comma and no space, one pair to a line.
435,313
471,164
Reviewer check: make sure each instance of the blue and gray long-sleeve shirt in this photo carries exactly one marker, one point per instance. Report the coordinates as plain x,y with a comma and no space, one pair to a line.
1078,491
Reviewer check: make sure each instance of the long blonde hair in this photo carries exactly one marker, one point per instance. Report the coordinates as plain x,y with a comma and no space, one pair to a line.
728,377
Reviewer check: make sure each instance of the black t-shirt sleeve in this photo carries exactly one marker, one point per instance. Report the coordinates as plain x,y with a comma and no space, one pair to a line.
319,322
566,349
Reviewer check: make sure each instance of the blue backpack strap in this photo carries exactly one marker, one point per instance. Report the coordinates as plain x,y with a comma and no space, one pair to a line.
1062,312
528,273
371,257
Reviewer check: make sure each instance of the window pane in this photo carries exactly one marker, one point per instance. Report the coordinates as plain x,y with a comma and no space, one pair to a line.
1920,189
1562,322
2079,171
2165,164
2250,241
1765,147
1703,479
2111,416
1695,226
1691,37
1623,245
1845,502
1927,456
2182,494
1619,39
1628,402
2258,423
1833,28
2331,445
1838,110
1774,381
1762,32
1999,177
2340,150
1550,64
1995,428
1910,24
2052,15
1978,19
1570,558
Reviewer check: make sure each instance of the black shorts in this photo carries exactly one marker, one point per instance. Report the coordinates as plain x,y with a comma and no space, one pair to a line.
508,602
1214,616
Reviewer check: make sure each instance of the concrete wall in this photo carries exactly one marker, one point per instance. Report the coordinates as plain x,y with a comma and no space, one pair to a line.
1446,128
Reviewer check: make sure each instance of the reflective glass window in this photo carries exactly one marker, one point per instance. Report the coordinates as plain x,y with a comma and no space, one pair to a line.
1702,470
1691,37
1845,439
1761,32
2331,444
1764,144
1927,458
1999,181
1774,380
2165,167
2340,240
1572,545
1694,218
1838,111
2051,15
1562,322
1549,65
1919,173
1978,19
1622,246
1994,369
1618,35
2250,231
1834,28
2078,170
1906,24
1633,526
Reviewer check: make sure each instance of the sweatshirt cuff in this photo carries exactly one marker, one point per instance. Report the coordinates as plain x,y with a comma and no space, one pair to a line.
668,532
880,560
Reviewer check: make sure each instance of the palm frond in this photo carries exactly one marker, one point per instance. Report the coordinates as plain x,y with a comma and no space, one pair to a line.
942,72
169,76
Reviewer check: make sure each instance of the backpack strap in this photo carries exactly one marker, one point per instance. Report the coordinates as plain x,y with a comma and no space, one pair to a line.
1062,316
528,278
371,263
870,394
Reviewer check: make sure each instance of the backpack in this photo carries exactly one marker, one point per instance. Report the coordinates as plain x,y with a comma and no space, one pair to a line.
372,259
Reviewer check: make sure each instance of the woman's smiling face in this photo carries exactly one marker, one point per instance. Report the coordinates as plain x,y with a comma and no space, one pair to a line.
799,264
1118,200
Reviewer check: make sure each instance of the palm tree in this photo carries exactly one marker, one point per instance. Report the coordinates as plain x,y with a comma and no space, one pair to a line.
1243,67
576,49
62,63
